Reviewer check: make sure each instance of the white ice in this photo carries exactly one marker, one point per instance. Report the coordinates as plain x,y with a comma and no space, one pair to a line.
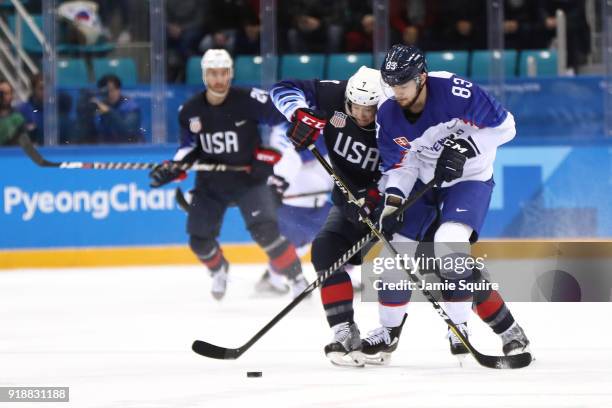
122,338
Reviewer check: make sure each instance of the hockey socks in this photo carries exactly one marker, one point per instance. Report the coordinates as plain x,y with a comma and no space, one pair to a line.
284,259
492,310
337,298
214,260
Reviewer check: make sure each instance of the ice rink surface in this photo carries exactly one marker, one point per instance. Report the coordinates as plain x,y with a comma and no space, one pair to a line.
122,338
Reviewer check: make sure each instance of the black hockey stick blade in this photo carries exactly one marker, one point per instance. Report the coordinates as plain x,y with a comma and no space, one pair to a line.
181,201
32,153
504,362
211,351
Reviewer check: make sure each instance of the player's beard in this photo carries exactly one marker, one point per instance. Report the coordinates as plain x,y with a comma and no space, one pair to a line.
413,101
218,94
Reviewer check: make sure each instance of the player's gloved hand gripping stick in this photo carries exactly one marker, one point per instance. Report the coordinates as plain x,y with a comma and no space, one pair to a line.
305,128
513,361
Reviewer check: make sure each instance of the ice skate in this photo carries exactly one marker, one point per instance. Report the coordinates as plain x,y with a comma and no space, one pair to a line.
298,285
219,281
380,343
345,350
457,348
514,340
272,284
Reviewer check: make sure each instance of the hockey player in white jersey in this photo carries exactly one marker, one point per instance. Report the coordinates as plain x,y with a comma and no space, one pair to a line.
439,125
303,190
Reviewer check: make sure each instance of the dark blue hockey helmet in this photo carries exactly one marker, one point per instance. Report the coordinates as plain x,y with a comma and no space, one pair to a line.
401,64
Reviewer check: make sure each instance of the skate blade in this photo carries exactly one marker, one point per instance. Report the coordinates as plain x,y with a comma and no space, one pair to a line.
378,359
352,359
218,296
461,359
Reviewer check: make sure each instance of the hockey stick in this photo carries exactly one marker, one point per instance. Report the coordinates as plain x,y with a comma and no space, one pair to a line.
210,350
182,202
37,158
309,194
514,361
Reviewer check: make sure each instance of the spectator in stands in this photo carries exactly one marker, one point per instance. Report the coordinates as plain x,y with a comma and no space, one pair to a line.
32,110
225,19
409,19
521,28
248,37
314,25
185,28
11,121
578,31
117,118
81,23
458,25
66,125
85,126
120,17
359,25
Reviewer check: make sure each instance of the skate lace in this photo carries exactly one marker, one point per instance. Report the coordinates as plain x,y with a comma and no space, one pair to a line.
513,333
341,332
379,335
453,338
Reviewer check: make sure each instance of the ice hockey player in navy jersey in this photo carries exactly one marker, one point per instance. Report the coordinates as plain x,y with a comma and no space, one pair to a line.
344,111
220,126
439,125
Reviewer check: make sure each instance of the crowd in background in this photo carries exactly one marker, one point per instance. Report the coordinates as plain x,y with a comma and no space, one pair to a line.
303,26
319,26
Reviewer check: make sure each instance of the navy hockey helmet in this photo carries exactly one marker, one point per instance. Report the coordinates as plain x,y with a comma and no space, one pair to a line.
402,64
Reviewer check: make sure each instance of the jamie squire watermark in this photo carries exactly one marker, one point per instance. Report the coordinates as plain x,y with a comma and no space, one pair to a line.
406,284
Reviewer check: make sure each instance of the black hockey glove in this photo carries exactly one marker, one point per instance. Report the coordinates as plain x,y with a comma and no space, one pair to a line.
449,165
367,198
305,127
263,165
460,145
278,185
166,172
389,222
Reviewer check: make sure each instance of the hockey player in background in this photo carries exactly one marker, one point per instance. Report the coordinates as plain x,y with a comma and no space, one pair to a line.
438,125
302,189
344,111
220,126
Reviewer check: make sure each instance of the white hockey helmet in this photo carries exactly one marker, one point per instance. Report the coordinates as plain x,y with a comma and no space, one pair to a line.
216,58
364,88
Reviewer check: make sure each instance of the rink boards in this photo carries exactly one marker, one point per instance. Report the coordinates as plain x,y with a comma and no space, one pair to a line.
63,217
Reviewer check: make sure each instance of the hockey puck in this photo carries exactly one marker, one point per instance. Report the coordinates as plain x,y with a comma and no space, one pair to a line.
254,374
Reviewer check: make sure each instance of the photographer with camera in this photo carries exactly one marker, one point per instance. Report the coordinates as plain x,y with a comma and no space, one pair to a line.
11,121
111,116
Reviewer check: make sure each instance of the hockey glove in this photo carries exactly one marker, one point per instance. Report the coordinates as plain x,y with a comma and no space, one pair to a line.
263,165
460,145
449,166
305,128
278,185
166,172
389,222
367,198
